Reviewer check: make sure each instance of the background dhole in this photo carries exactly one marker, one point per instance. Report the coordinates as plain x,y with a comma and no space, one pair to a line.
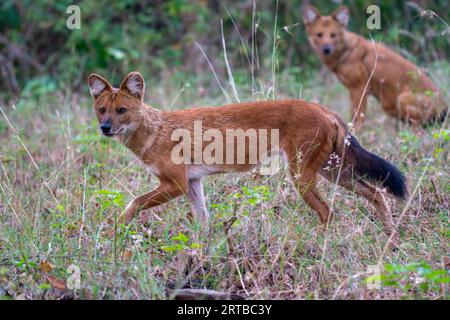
364,67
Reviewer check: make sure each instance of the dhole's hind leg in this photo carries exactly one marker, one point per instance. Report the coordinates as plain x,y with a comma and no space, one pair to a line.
304,180
368,191
415,108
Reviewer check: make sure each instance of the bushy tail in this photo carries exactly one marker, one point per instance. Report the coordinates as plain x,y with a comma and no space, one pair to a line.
377,169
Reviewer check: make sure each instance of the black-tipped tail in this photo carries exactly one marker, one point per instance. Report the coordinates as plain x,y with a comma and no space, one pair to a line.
377,169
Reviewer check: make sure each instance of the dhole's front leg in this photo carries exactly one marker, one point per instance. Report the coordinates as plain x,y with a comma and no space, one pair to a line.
166,191
197,200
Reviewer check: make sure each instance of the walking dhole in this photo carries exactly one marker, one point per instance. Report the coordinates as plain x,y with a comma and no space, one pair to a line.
313,140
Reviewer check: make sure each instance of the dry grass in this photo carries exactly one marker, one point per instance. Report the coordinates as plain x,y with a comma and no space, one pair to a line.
61,182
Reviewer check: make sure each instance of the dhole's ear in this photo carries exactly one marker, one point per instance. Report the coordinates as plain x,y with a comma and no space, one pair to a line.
134,84
310,14
97,84
342,15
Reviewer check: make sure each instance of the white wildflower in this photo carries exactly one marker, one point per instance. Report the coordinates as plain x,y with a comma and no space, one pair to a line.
299,157
347,140
192,252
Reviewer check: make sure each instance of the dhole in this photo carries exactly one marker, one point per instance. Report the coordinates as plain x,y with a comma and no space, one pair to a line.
402,88
313,140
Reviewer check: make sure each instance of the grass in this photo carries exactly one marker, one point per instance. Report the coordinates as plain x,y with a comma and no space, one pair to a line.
63,185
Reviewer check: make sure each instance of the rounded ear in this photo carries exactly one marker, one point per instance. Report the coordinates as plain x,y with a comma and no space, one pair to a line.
310,14
134,84
342,15
97,84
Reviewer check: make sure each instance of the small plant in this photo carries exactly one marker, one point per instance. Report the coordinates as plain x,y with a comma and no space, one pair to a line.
410,142
253,196
416,277
441,137
110,198
180,242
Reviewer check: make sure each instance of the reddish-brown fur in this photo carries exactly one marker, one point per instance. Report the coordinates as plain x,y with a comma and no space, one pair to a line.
364,67
308,135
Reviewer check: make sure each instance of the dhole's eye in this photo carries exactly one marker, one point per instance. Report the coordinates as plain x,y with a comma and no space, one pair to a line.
102,110
333,35
121,110
320,34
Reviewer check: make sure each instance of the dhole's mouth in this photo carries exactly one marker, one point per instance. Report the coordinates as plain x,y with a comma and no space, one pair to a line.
112,134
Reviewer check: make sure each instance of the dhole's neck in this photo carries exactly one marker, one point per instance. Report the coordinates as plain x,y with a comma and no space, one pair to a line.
142,136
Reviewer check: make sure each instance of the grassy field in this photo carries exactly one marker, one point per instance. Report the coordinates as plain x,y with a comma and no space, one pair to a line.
63,185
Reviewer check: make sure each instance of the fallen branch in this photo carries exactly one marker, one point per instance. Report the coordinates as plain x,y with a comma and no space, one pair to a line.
203,294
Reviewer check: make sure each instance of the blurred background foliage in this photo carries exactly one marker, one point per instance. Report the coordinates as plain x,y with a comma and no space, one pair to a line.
39,54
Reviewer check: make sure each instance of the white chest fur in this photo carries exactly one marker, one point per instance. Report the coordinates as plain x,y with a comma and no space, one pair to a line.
153,170
199,171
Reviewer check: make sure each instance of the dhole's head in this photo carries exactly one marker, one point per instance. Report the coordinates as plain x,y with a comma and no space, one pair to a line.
326,33
117,109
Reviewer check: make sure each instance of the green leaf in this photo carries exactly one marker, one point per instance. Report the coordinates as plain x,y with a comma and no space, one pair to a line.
45,286
181,238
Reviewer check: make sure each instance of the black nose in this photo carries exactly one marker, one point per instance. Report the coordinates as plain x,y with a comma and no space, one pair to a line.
326,50
105,127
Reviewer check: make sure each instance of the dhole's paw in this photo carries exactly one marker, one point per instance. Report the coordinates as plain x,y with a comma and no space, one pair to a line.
110,233
113,223
130,212
111,220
